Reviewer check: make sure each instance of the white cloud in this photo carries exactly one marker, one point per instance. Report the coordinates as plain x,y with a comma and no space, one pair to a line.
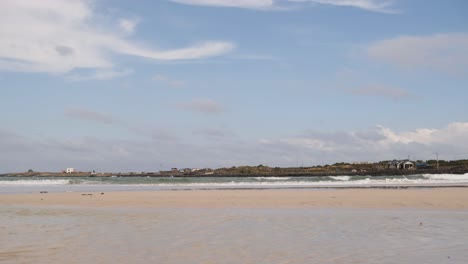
378,143
229,3
161,133
128,25
383,6
101,74
58,36
201,50
20,153
205,106
441,52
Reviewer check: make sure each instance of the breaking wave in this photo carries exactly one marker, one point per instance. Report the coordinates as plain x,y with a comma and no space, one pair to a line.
9,183
35,182
273,178
448,177
340,178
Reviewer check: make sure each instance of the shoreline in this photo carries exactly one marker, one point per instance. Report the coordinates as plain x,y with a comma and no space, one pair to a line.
422,198
296,173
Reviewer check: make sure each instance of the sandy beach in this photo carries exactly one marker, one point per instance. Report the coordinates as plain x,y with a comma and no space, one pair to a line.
431,198
423,225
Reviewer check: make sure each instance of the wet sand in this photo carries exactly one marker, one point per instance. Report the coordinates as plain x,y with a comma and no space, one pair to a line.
237,226
431,198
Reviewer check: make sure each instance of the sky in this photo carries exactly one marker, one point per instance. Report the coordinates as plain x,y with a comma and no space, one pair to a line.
150,85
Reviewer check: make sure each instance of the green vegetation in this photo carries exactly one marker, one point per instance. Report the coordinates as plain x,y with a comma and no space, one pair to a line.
339,168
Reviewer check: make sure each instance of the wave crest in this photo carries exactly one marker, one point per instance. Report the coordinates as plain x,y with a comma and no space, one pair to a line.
448,177
36,182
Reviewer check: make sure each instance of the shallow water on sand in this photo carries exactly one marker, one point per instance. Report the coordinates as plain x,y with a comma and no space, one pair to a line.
127,235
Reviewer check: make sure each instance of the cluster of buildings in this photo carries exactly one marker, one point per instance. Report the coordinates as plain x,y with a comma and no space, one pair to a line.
401,165
405,164
175,171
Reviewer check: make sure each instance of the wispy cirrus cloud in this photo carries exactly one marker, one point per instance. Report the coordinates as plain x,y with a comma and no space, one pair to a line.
446,52
47,36
213,133
100,74
382,6
142,130
205,106
89,115
229,3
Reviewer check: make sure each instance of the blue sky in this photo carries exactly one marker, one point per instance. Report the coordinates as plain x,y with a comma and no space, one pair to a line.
148,85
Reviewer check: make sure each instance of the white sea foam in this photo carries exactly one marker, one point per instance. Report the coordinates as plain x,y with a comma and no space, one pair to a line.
36,182
449,177
263,182
341,178
282,184
273,178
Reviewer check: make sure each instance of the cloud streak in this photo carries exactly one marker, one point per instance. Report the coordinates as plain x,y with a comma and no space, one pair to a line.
213,133
204,106
229,3
381,6
47,36
447,52
100,74
89,116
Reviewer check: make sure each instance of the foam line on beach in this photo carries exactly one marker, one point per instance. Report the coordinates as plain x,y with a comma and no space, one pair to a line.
44,182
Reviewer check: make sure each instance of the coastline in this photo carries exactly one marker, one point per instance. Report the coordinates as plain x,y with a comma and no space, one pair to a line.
223,173
432,198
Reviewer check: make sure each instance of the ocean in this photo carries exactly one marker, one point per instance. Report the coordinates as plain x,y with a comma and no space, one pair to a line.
59,234
80,184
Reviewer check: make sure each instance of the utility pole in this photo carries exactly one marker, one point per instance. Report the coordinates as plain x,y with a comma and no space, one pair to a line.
437,156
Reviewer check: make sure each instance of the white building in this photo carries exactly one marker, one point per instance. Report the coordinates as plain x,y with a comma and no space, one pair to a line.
70,170
406,165
401,165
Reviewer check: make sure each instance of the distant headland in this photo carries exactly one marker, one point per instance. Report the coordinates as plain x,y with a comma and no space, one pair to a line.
381,168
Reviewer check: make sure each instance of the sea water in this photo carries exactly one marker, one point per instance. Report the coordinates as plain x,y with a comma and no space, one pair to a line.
71,184
57,234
